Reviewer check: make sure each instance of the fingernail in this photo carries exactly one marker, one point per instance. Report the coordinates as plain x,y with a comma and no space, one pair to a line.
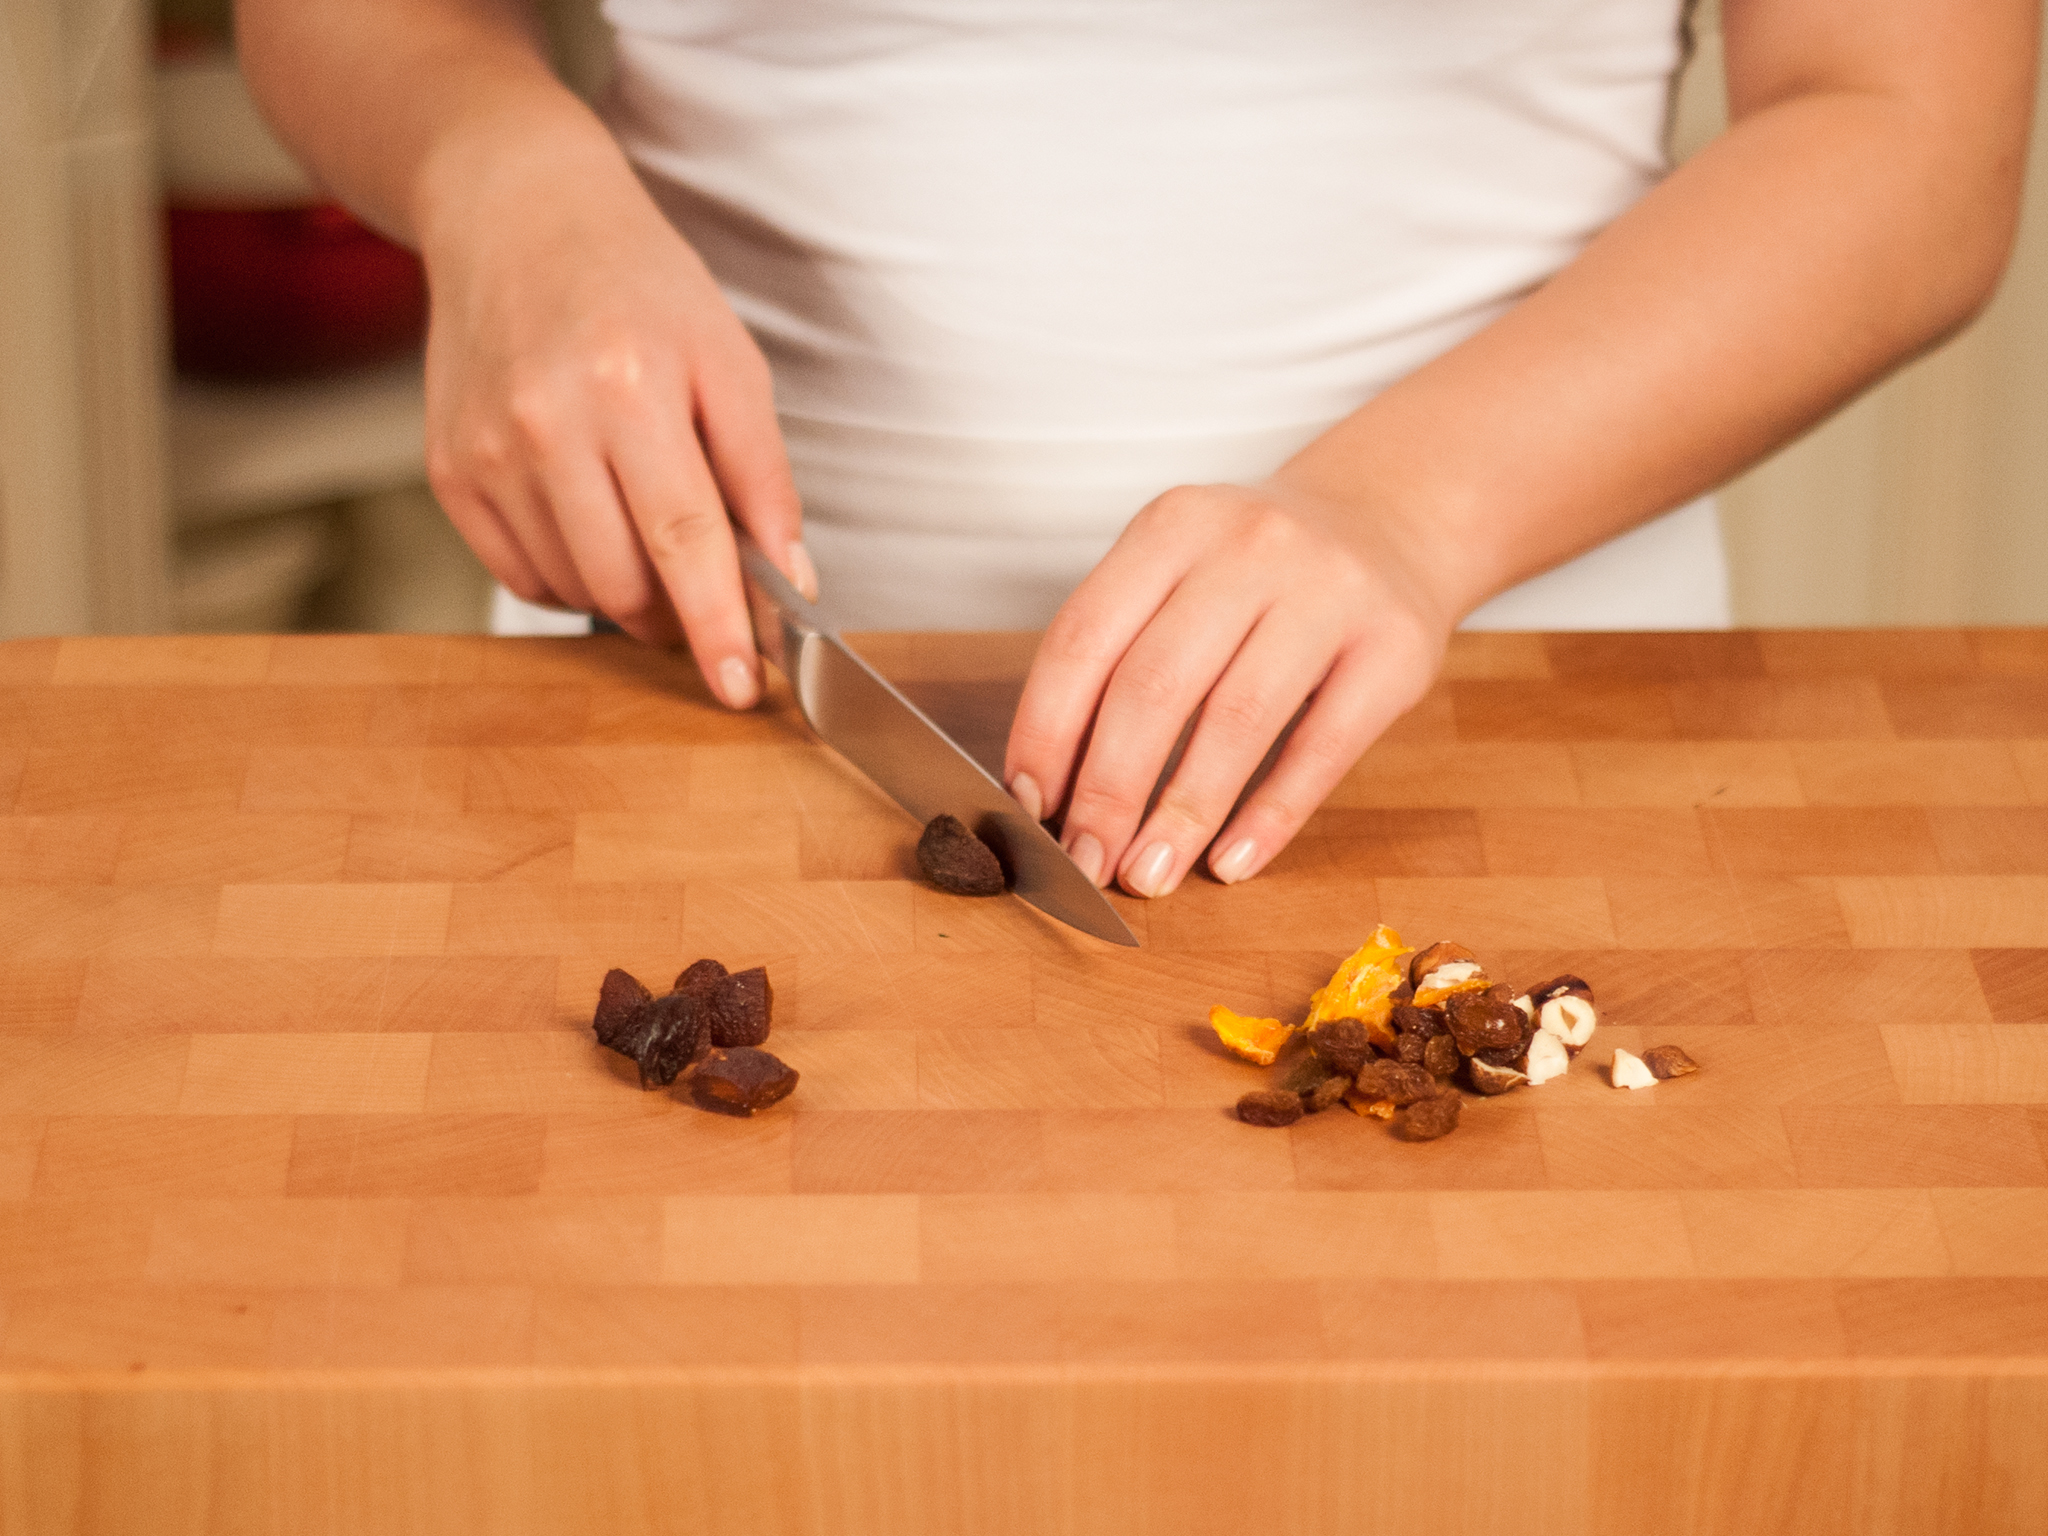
1235,862
736,682
1024,790
800,567
1086,853
1148,875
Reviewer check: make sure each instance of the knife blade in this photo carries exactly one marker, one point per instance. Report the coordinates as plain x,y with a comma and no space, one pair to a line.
856,711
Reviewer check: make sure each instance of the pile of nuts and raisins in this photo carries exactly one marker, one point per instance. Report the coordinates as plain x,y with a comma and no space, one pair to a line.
705,1030
1398,1042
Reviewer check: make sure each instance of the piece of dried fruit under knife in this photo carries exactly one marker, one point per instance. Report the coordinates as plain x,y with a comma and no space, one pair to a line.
955,860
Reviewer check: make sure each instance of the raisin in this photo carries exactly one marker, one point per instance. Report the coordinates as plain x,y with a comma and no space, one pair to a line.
1668,1061
1269,1106
1308,1073
1328,1092
1421,1022
675,1028
955,860
617,1022
1440,1055
1411,1049
1427,1119
700,978
1342,1044
740,1081
1483,1023
740,1008
1394,1081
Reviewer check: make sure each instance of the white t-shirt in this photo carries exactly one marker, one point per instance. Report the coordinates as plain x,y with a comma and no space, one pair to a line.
1021,265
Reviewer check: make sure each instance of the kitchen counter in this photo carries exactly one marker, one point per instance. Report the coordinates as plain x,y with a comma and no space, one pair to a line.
320,1211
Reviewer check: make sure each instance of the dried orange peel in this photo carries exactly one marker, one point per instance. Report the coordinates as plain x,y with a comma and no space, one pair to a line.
1256,1040
1363,987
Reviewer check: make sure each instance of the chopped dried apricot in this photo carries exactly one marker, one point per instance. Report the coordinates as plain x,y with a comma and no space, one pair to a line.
1363,987
1256,1040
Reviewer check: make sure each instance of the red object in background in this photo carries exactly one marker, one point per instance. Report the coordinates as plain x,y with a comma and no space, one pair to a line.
270,293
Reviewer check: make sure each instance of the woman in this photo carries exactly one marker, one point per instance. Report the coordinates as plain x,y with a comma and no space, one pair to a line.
1369,310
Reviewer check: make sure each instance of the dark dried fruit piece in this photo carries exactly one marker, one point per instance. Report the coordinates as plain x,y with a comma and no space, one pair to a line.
1488,1079
740,1009
1308,1073
742,1081
1380,1034
1440,1055
1668,1061
675,1027
1480,1022
1427,1119
700,978
1411,1049
1561,986
1330,1091
617,1021
955,860
1342,1044
1269,1106
1424,1022
1396,1082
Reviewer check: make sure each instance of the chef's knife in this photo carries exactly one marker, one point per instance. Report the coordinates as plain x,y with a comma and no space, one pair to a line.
917,765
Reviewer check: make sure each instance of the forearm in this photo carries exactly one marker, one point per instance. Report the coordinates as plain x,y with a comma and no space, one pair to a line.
1827,236
404,108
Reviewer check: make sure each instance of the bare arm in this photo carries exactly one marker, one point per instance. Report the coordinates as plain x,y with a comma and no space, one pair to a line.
1860,207
594,409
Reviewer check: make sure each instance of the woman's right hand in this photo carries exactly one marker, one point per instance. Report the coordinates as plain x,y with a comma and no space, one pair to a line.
595,411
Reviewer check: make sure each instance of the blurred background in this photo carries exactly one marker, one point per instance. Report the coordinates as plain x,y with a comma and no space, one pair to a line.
210,401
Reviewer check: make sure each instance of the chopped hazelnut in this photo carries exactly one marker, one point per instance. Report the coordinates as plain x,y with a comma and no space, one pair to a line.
1570,1017
1489,1079
1628,1071
1547,1058
1668,1061
1427,963
1561,986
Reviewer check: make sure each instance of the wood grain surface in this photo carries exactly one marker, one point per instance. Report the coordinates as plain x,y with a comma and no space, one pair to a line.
321,1211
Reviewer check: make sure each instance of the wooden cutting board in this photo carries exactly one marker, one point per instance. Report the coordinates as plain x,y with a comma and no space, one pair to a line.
320,1210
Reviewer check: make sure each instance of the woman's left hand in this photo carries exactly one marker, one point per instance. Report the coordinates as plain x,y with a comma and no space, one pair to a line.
1242,603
